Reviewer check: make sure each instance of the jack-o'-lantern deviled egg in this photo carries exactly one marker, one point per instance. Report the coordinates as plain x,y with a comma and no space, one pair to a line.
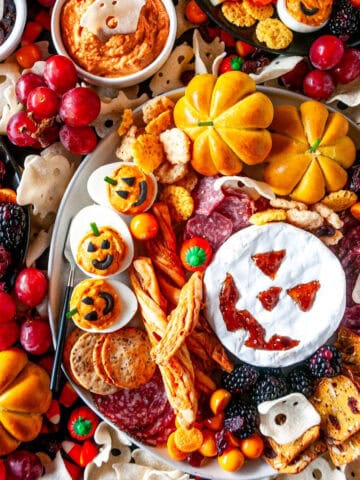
123,186
100,242
306,16
102,305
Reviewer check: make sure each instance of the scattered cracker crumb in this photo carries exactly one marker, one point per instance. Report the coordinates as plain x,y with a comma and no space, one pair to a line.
304,219
180,202
126,122
330,216
259,12
148,152
168,173
274,33
332,239
160,123
235,13
189,181
176,146
287,204
267,216
123,152
154,107
340,200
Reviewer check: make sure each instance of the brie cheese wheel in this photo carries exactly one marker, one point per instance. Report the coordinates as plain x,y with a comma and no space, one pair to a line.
306,259
292,23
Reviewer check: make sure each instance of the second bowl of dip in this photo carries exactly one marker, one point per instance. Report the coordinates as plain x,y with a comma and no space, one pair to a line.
119,59
12,24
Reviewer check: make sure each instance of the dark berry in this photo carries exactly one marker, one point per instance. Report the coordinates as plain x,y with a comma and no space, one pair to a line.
269,388
255,66
355,178
300,380
325,231
326,362
241,379
12,225
344,20
241,418
5,260
2,171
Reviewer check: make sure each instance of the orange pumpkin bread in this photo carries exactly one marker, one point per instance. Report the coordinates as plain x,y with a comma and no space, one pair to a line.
24,397
227,120
310,152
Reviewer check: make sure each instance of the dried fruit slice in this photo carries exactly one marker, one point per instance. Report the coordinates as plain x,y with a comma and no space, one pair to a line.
269,262
304,294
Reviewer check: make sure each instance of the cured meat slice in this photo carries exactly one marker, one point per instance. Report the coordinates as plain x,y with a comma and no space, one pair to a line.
135,408
304,294
349,241
351,318
158,432
216,228
206,198
238,209
351,265
269,262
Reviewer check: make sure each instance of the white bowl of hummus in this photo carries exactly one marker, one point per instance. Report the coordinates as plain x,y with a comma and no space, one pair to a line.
11,26
114,43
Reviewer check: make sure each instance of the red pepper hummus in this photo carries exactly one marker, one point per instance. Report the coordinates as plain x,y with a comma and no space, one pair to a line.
121,54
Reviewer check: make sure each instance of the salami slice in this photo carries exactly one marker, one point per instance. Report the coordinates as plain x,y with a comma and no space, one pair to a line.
216,228
206,198
351,318
349,241
238,209
351,265
153,434
136,408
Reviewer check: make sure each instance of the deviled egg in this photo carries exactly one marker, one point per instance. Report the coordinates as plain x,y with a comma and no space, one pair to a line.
102,305
100,242
123,186
304,17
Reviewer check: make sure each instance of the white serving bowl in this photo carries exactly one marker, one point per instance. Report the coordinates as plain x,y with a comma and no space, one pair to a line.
125,80
13,40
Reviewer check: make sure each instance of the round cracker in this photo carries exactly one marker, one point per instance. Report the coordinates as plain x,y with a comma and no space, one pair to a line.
82,366
68,345
126,358
97,359
235,13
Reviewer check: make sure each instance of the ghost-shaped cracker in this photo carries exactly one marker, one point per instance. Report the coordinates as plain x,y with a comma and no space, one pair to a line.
56,469
206,54
352,470
169,76
320,468
43,182
9,104
254,188
123,13
287,418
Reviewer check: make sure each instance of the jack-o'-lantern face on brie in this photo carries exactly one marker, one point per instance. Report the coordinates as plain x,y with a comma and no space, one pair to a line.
101,252
130,191
310,12
94,304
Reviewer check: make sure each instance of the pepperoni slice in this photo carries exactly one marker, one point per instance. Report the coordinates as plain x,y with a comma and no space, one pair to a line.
269,262
304,294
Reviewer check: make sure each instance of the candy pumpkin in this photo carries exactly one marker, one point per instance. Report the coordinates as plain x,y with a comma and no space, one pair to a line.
226,119
310,152
24,397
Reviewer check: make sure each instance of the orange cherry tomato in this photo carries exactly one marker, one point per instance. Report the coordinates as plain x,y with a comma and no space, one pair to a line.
144,226
219,400
253,446
355,210
216,422
172,449
231,460
194,13
27,55
7,195
208,447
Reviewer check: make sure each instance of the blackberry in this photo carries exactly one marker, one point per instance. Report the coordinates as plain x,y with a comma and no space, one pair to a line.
241,418
241,379
5,260
344,20
12,225
326,362
269,388
300,380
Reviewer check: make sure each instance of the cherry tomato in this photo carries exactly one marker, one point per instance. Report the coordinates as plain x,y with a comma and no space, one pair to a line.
27,55
31,286
194,13
231,460
144,226
219,400
31,33
253,446
9,334
7,308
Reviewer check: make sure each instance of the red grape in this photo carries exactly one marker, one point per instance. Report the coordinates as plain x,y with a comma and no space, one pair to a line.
9,334
23,465
31,286
7,307
60,73
35,336
79,107
49,135
318,84
46,3
43,103
294,79
26,83
20,129
349,67
78,140
326,52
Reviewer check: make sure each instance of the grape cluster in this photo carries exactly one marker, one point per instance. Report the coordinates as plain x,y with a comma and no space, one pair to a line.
56,108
